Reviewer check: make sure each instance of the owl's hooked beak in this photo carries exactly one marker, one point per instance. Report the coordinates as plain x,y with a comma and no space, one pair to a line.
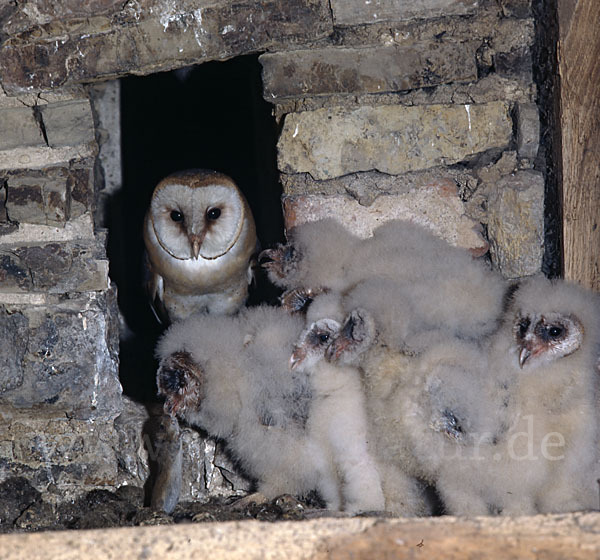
196,242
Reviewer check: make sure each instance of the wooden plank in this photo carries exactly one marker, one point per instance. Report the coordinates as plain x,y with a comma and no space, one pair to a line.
542,537
579,72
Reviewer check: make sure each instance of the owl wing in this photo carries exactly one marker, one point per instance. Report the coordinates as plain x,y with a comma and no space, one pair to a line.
154,286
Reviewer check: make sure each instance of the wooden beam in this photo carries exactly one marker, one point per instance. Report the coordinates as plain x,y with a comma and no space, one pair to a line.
579,165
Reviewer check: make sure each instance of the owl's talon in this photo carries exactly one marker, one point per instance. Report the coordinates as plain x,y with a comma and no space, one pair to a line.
298,299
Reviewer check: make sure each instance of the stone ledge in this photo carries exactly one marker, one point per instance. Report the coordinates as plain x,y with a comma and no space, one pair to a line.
150,36
367,70
551,537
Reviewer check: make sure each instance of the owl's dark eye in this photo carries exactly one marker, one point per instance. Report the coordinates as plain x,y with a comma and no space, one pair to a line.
176,216
213,214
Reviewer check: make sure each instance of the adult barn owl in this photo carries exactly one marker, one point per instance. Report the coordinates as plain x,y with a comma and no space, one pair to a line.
200,240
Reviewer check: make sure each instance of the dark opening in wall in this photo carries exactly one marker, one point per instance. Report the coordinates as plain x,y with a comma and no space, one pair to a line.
207,116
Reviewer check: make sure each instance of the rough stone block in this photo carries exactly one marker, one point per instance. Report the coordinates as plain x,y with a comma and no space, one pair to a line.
149,36
54,268
80,228
366,70
50,196
36,199
65,360
393,139
62,457
356,12
43,157
68,123
207,470
528,129
435,206
515,8
516,224
19,128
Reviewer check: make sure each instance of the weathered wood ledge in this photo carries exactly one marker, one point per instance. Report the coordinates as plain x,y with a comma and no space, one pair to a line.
545,537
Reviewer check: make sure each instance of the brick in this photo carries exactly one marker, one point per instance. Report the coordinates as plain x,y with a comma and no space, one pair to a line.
356,12
68,123
366,70
393,139
65,358
149,36
516,224
18,128
435,206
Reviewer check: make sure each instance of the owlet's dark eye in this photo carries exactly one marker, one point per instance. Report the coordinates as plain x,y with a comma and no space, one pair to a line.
523,327
555,331
323,338
213,214
176,216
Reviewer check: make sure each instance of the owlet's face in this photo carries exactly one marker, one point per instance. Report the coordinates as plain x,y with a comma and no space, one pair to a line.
313,343
541,339
197,215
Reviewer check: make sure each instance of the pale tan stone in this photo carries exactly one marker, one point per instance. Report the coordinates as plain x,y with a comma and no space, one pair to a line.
393,139
435,206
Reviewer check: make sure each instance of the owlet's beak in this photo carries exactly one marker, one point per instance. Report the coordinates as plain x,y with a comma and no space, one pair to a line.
524,355
297,356
529,348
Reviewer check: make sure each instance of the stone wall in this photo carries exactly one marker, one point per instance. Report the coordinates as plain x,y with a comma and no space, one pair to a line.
388,109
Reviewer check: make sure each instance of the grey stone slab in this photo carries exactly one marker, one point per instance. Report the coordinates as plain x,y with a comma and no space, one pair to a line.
516,224
54,268
68,123
61,457
393,139
19,128
368,70
356,12
69,367
527,119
